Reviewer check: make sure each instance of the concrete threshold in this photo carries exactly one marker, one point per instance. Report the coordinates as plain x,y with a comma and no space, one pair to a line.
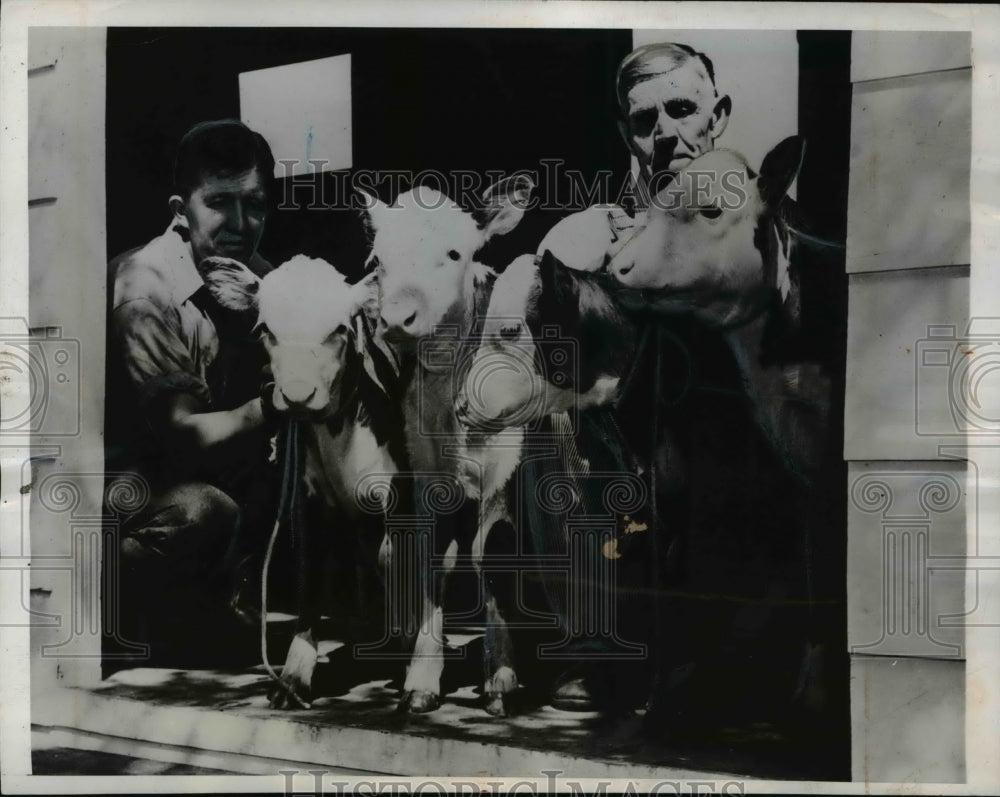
221,720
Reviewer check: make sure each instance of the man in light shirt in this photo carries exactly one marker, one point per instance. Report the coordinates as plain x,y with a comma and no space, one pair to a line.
184,409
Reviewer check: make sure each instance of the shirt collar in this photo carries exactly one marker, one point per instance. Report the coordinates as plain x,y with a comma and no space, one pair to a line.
186,278
185,274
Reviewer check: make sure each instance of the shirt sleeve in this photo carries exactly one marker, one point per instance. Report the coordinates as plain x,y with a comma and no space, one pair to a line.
155,358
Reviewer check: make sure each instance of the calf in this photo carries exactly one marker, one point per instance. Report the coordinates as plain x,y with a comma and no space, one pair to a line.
714,243
673,337
312,324
432,289
713,248
528,296
735,265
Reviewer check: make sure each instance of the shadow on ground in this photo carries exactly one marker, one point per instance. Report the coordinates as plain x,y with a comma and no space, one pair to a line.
67,761
352,691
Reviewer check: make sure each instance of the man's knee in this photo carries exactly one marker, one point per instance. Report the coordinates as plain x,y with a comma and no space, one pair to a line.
206,507
183,522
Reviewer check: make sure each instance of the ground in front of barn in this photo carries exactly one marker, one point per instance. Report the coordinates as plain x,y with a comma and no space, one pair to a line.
156,720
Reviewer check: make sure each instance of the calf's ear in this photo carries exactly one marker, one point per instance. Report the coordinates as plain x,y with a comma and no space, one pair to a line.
558,280
780,167
231,284
370,208
365,296
504,204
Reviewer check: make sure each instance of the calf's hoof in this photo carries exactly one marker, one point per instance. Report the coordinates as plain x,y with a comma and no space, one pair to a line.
572,694
294,689
503,682
287,695
418,701
496,705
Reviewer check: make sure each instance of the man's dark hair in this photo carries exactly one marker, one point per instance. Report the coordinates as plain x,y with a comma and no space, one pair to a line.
223,148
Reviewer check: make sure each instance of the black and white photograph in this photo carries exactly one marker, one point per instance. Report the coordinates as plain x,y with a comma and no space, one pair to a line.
500,397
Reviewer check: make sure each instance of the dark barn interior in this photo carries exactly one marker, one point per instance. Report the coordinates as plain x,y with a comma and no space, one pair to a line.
483,100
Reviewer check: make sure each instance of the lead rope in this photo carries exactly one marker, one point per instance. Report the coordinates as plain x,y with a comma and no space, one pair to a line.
659,633
288,484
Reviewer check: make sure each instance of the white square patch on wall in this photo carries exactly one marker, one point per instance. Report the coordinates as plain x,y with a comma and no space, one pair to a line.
304,112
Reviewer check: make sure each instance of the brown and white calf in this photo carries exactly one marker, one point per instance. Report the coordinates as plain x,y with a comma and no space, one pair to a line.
712,251
424,248
714,243
311,323
708,245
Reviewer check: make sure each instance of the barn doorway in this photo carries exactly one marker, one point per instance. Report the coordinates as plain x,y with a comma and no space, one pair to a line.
485,101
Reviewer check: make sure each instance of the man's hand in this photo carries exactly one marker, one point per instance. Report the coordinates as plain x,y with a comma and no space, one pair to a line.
271,415
584,241
201,438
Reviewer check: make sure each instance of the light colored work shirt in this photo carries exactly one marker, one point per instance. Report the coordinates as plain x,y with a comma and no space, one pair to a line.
164,324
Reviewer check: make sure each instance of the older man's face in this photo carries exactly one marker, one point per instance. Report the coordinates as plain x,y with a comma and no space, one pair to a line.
673,118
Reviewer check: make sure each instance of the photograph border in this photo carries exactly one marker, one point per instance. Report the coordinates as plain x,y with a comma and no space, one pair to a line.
982,709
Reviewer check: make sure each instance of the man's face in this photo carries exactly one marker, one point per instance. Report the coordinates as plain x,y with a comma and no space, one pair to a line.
225,215
673,118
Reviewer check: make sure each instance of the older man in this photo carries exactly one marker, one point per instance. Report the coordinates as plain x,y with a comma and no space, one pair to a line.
670,113
184,413
728,540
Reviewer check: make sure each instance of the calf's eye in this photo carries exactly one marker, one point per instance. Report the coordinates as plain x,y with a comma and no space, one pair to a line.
337,334
454,254
266,335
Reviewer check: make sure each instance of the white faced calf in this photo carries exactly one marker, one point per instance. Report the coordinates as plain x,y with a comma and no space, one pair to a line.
425,249
708,246
308,317
706,237
304,311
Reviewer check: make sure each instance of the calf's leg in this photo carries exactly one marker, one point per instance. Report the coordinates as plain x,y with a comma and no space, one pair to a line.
496,535
445,519
294,689
422,689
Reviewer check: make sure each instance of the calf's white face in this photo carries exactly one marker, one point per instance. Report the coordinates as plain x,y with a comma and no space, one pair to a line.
699,236
425,247
304,311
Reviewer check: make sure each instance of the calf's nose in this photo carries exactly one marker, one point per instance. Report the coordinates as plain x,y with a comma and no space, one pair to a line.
622,269
402,317
298,391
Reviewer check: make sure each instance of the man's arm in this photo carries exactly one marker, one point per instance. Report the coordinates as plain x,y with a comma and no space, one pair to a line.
206,438
173,396
586,240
